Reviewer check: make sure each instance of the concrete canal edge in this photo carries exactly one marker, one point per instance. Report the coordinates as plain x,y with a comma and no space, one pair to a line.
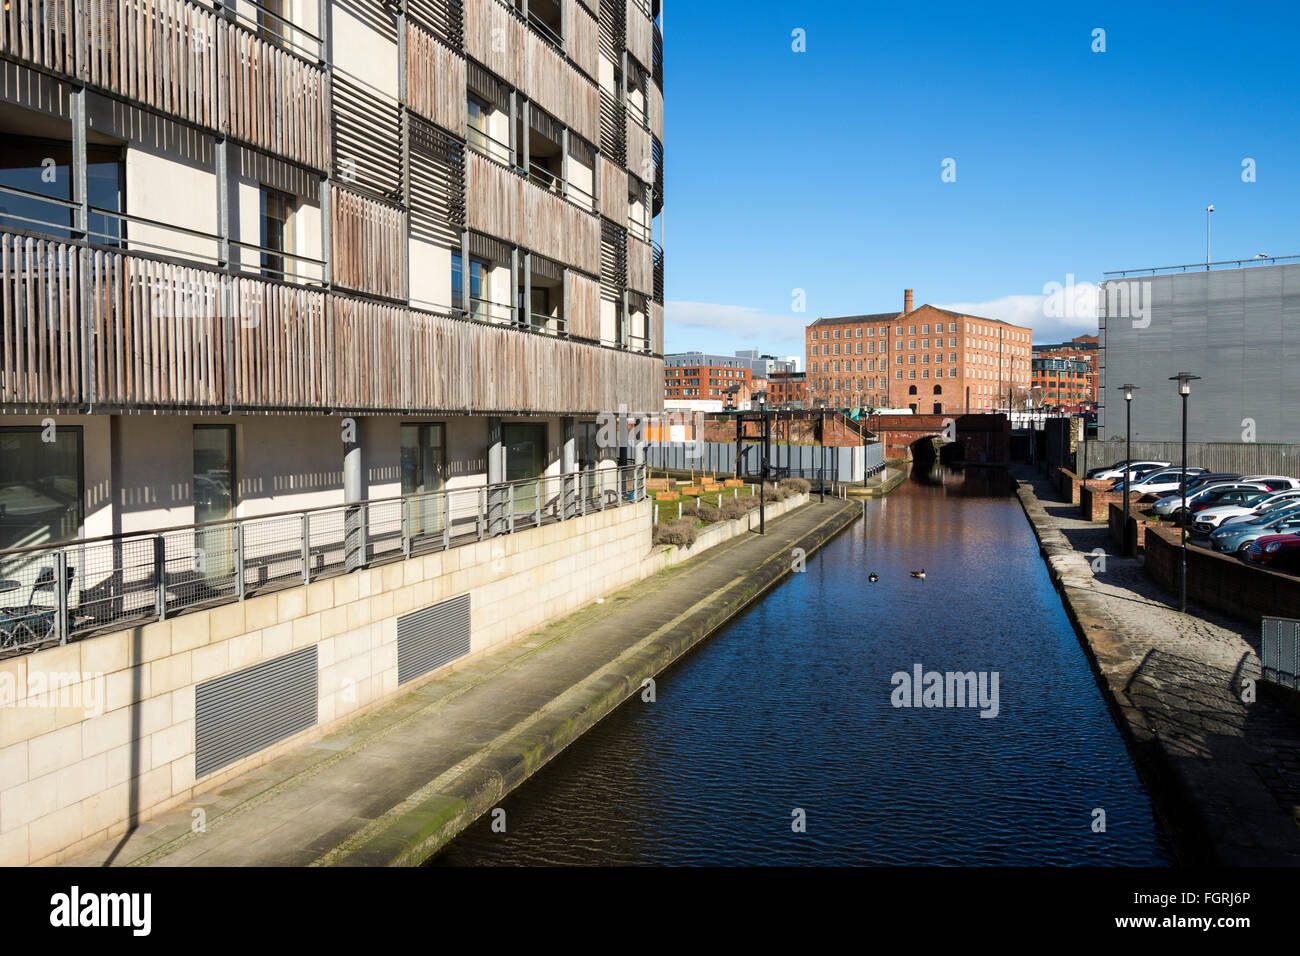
429,819
1111,660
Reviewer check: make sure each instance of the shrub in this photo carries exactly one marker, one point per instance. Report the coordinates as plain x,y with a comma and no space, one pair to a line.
708,514
680,532
796,486
773,493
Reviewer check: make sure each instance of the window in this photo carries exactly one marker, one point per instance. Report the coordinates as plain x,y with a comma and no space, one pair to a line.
424,470
276,208
41,486
43,168
525,446
477,304
479,111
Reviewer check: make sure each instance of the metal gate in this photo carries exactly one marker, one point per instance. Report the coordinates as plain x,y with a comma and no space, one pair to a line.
1279,651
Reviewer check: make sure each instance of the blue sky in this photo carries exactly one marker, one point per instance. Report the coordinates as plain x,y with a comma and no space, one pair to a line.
822,170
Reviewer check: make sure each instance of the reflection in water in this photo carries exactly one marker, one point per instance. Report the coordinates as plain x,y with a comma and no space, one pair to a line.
789,709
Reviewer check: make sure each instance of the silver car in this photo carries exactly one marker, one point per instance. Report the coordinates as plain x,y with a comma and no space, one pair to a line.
1238,537
1174,503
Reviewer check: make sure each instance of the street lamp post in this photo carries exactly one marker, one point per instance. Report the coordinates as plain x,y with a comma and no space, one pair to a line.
1184,380
1128,391
762,464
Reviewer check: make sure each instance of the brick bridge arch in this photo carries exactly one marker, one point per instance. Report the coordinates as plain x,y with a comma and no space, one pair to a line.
984,439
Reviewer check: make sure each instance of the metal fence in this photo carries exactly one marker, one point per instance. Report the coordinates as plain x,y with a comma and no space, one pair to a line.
57,592
1243,458
1280,651
852,463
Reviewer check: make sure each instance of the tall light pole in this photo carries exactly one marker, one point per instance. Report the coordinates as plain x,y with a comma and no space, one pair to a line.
1128,391
1184,380
1208,209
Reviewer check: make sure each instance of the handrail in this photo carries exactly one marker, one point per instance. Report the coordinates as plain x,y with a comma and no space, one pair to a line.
114,581
1204,266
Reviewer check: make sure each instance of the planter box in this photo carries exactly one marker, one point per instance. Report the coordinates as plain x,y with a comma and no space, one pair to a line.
689,489
733,483
667,496
660,484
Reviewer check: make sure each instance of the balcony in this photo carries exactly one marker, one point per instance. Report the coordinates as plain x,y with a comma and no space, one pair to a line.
496,37
184,61
63,592
150,333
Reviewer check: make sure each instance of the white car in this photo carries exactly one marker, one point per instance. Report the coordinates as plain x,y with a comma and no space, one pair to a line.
1278,482
1161,482
1171,503
1282,499
1119,470
1239,503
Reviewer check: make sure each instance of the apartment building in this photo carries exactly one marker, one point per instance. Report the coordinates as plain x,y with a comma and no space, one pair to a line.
244,244
1065,374
925,358
312,313
696,377
787,390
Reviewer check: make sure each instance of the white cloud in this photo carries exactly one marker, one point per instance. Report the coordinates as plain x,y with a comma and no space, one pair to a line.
1061,312
714,327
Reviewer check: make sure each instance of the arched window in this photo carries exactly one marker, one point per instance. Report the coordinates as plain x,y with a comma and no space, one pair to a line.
911,390
938,390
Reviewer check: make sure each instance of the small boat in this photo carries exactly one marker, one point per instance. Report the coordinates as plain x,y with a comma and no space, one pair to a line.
919,574
873,577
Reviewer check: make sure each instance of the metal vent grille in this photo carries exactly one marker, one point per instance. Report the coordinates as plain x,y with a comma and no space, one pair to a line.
430,638
239,714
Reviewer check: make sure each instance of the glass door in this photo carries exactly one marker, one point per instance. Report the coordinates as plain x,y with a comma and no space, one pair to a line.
214,498
588,459
424,471
525,458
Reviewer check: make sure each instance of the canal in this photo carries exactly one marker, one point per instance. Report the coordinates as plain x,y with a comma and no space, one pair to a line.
789,714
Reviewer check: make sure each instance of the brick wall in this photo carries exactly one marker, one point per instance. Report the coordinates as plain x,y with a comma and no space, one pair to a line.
1220,581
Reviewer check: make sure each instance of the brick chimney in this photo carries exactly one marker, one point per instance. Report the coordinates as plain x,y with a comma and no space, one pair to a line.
907,300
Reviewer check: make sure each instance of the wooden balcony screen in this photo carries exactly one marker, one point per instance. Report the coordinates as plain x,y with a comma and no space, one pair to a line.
640,36
498,39
369,245
582,43
435,81
583,306
640,160
613,192
640,266
656,110
657,328
504,205
166,55
153,334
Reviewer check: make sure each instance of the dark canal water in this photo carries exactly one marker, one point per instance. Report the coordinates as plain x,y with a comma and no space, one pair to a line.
790,708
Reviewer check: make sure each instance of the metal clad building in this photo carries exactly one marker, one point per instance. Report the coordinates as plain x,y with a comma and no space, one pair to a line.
1239,329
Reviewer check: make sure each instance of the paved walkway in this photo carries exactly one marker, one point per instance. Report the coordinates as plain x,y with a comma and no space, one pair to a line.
1226,774
393,786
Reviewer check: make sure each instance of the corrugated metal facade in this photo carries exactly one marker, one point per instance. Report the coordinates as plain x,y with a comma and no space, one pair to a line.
1239,329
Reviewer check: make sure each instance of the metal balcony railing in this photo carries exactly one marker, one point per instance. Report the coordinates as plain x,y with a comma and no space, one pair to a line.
60,592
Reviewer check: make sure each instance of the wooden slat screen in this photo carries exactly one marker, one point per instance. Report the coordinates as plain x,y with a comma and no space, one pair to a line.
38,31
495,37
435,81
640,162
583,305
495,198
369,244
640,266
657,328
656,110
583,41
162,335
613,192
640,38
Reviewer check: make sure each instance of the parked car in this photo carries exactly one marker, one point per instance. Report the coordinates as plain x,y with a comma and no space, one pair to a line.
1276,502
1236,538
1211,478
1206,519
1280,552
1118,470
1158,482
1274,482
1173,504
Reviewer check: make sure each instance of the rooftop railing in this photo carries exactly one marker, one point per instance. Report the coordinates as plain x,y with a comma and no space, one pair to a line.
1205,266
56,593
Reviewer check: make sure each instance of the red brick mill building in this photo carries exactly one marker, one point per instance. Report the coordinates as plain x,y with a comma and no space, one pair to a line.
931,360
